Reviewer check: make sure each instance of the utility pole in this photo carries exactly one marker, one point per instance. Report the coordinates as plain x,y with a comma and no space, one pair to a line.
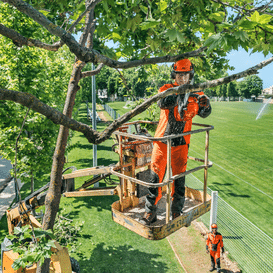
94,120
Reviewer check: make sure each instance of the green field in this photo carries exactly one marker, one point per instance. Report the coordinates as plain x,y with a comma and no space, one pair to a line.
241,151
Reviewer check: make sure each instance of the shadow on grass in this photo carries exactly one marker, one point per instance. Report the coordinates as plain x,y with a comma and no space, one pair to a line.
84,162
121,259
99,202
239,195
222,184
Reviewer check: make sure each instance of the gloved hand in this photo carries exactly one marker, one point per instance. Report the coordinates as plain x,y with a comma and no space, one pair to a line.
203,101
168,102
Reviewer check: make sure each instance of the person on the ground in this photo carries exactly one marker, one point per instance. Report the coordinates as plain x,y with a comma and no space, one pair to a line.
176,116
213,246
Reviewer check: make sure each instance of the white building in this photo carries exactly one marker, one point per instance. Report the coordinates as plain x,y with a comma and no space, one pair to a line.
102,94
268,91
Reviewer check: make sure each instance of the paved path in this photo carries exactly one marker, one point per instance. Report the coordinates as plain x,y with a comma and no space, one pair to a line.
5,167
7,186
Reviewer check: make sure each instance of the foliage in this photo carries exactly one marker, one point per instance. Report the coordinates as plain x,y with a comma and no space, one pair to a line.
44,74
232,90
31,250
251,85
67,232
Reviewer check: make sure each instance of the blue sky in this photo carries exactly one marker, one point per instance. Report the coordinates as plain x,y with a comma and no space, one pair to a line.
241,60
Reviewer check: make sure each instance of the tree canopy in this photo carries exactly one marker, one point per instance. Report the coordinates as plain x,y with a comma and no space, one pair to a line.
251,86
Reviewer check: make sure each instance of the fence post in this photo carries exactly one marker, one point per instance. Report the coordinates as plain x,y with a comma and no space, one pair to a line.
213,210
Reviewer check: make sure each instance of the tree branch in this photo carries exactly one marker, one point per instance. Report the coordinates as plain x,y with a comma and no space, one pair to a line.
93,72
20,40
95,137
91,6
54,115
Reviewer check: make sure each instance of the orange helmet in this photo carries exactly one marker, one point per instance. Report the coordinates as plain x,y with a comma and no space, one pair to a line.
213,226
183,66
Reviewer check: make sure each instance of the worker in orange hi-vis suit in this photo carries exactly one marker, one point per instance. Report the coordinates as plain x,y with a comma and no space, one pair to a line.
176,116
213,246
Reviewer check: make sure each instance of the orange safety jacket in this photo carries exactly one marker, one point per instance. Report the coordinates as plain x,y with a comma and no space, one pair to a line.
214,243
170,121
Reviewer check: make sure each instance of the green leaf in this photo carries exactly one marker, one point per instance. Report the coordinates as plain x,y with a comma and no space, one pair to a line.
17,230
265,19
242,35
105,5
218,16
171,34
51,243
151,23
247,24
180,37
212,39
144,9
116,36
255,17
163,5
16,264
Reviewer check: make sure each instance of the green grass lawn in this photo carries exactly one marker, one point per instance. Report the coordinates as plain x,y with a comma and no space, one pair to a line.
241,150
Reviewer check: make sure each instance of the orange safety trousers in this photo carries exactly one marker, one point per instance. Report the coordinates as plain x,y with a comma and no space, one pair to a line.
159,162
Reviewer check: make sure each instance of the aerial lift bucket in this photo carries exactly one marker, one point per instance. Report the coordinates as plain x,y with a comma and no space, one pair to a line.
129,210
135,152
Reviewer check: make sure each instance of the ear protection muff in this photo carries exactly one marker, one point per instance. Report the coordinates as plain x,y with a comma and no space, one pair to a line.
173,73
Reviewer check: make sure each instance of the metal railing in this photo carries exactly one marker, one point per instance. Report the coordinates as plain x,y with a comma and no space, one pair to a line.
113,113
169,178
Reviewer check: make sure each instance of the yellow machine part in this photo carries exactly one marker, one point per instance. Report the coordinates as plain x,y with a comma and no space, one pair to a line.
60,262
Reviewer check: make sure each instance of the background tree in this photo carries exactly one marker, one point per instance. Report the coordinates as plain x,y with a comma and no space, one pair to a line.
145,33
251,85
232,90
30,70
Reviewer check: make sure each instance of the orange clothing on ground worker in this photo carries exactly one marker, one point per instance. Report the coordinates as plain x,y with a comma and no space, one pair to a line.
214,244
176,116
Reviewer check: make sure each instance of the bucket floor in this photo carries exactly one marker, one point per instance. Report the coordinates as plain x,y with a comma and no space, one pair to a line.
138,211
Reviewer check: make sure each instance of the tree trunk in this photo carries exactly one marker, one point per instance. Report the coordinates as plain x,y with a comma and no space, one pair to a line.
54,192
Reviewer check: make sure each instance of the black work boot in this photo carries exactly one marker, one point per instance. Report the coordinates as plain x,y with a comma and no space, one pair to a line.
218,269
148,218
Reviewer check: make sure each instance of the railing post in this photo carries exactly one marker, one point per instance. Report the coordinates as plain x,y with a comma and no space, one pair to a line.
121,179
206,168
168,201
213,210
